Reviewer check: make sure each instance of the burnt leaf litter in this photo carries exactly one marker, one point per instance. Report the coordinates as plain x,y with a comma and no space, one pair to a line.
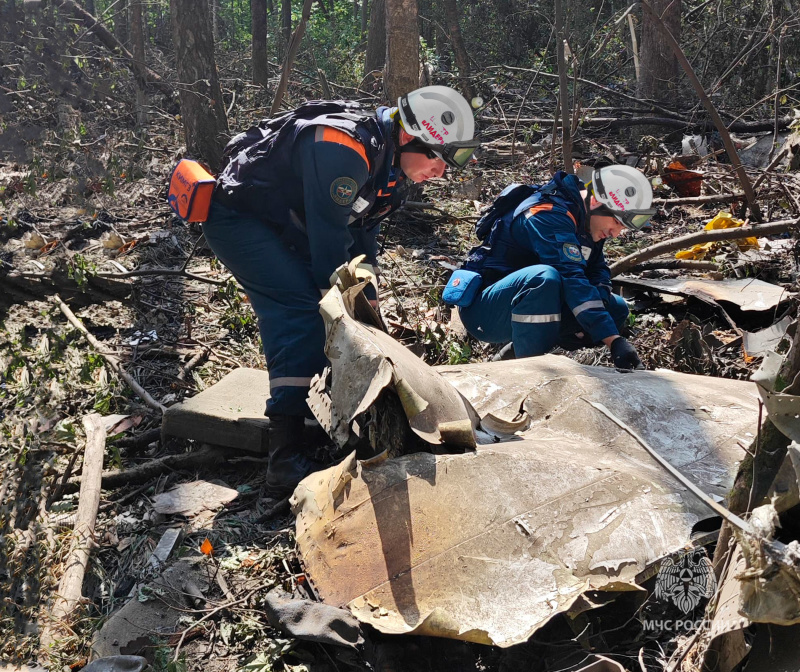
83,216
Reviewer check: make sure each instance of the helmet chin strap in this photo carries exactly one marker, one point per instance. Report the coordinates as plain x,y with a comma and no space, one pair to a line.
398,150
588,203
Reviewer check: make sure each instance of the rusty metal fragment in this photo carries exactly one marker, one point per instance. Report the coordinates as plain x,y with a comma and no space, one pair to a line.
364,361
487,546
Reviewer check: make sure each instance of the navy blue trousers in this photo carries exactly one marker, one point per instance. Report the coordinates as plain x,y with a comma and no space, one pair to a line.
285,299
527,308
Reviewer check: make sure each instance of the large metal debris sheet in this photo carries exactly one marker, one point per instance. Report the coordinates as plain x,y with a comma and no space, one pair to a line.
747,293
489,545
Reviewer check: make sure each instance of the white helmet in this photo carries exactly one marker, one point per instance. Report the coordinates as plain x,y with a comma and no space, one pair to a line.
440,120
625,192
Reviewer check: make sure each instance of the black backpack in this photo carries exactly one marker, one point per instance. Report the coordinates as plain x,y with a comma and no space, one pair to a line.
504,208
258,141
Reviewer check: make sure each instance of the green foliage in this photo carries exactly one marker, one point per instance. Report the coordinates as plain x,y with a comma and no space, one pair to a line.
80,270
163,659
238,316
458,353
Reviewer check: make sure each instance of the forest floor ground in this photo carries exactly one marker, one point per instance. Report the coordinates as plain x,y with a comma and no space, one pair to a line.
83,216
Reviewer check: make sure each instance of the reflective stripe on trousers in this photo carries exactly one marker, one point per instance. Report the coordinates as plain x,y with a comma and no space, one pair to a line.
536,319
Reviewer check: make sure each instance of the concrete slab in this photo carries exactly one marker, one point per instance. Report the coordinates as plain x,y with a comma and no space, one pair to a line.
230,413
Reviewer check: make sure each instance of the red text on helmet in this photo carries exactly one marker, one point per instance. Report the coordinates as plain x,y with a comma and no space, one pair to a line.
429,126
616,200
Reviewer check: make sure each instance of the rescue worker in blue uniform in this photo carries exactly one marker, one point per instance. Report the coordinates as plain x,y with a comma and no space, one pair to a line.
292,206
545,280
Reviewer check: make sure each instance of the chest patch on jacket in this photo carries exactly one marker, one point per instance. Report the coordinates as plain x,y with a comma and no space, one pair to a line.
343,190
586,251
571,252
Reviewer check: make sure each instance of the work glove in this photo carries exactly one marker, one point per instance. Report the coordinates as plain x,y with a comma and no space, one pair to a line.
624,355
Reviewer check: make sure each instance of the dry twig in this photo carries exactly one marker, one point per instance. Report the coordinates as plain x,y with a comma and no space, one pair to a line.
112,360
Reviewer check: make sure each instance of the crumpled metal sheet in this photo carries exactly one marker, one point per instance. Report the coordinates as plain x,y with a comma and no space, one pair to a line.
693,421
783,409
770,587
488,546
727,645
365,360
760,342
747,293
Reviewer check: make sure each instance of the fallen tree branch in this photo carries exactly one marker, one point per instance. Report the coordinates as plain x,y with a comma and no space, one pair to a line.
194,361
215,610
768,229
161,271
69,588
668,264
616,123
695,200
114,478
112,360
648,105
771,165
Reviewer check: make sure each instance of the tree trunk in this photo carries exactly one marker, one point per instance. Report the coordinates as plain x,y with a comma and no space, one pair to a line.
286,23
258,16
375,57
137,46
65,608
658,65
459,48
204,123
427,22
563,90
89,4
214,9
291,54
364,17
121,22
402,48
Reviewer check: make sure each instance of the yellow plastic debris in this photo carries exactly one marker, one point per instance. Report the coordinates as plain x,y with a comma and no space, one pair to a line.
723,220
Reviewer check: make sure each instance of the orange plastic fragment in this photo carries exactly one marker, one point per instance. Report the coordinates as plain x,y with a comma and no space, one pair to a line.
206,548
127,247
49,247
684,182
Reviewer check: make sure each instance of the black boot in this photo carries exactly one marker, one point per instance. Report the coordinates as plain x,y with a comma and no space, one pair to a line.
288,462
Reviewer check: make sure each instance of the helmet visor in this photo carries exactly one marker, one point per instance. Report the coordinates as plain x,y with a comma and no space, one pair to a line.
461,152
634,219
454,154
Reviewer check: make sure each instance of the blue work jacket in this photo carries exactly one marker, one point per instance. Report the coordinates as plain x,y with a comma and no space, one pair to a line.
325,188
552,228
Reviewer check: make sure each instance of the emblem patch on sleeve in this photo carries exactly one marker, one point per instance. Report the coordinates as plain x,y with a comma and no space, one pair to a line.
343,190
571,252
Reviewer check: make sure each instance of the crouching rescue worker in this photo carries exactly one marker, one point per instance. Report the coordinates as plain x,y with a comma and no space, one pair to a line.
540,279
302,194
